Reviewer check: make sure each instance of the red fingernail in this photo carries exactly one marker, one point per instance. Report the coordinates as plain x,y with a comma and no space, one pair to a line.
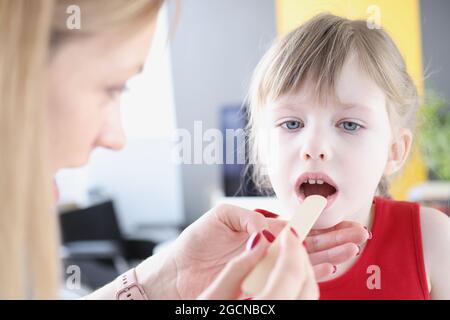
266,213
369,232
269,236
253,240
294,232
334,269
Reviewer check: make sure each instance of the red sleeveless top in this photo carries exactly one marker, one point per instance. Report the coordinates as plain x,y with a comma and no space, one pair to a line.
391,266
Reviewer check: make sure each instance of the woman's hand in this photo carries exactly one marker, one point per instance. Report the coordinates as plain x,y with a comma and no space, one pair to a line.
291,278
206,246
330,247
190,265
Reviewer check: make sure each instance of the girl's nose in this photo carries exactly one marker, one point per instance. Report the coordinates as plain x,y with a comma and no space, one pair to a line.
312,156
316,148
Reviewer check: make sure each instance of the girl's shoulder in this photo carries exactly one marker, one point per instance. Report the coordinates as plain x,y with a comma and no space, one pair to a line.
435,226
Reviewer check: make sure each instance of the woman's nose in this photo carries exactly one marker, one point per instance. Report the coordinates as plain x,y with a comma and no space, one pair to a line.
112,135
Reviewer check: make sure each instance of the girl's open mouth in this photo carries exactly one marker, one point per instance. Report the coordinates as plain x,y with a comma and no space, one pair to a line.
316,183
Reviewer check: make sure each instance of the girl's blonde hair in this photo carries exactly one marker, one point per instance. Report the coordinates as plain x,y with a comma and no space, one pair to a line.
317,51
29,31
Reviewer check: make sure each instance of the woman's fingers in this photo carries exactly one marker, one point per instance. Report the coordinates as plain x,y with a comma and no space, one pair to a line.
276,225
228,283
330,247
323,270
239,219
335,255
295,274
292,277
287,279
310,290
341,225
323,241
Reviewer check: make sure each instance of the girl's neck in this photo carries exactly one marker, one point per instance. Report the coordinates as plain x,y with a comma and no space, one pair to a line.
364,216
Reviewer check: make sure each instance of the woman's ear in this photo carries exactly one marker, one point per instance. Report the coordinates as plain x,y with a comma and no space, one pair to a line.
398,151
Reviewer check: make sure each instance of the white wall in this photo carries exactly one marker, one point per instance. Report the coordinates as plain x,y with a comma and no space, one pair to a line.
216,46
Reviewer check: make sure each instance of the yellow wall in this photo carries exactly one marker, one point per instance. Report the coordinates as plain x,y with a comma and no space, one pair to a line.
401,18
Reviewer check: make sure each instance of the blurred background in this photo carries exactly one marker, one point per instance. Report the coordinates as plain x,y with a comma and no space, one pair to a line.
123,206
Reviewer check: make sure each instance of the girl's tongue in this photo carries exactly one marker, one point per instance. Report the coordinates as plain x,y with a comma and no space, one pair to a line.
324,189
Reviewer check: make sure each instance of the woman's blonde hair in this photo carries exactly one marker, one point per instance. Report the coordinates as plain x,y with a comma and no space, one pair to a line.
317,51
29,31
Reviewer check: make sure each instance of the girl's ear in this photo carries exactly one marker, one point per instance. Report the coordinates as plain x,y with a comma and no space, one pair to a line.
399,151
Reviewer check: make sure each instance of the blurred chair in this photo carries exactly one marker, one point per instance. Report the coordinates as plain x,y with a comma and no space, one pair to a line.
92,240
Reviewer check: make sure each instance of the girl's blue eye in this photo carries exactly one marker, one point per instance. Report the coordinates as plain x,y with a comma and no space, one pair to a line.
291,124
350,125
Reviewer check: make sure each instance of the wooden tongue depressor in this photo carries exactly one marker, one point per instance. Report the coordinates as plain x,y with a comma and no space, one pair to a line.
302,221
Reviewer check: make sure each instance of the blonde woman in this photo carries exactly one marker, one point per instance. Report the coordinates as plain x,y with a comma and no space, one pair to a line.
59,99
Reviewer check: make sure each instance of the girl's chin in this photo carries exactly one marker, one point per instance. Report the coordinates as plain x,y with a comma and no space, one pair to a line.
327,220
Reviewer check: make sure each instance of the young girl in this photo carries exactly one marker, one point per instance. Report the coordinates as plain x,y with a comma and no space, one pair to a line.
332,112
